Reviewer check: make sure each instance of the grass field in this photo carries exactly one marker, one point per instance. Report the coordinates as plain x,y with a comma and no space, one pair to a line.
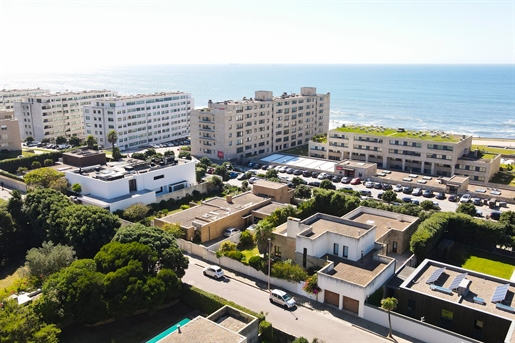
481,261
249,253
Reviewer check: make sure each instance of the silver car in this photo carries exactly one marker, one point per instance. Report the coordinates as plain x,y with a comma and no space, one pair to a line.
282,298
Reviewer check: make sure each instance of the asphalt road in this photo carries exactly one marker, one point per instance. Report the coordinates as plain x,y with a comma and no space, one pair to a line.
321,322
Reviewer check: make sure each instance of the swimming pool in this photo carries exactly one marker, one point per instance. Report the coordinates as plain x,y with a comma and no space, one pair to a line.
168,331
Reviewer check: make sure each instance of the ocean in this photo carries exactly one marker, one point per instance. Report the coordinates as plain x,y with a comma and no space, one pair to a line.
467,99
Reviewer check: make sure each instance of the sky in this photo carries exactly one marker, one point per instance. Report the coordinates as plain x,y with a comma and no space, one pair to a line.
75,34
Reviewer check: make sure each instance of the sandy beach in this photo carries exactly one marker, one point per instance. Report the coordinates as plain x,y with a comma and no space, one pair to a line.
497,142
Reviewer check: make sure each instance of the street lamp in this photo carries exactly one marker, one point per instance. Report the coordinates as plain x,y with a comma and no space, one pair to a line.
269,248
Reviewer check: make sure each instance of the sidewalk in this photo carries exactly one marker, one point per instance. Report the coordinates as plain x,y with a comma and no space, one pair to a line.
321,308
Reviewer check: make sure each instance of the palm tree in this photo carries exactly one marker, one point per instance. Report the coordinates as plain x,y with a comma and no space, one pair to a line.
263,231
112,137
389,304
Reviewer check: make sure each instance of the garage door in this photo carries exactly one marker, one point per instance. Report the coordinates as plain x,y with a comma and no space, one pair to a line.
350,304
332,298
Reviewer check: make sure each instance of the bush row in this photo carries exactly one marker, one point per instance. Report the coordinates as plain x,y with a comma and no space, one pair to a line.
11,165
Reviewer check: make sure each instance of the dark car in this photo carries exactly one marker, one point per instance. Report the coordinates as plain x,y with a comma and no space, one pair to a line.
314,183
440,196
315,174
297,172
386,186
306,173
378,185
495,215
427,193
453,197
264,167
365,192
257,166
289,171
336,178
407,190
406,199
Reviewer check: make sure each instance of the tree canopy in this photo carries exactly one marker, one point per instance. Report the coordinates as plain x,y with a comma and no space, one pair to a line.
42,177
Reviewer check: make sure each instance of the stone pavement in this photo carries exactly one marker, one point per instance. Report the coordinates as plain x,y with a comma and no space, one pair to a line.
322,308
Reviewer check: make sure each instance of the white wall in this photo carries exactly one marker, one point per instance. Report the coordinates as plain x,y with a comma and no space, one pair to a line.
413,328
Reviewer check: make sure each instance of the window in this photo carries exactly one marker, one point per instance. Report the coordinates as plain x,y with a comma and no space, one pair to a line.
411,305
335,249
159,177
478,324
447,315
345,252
277,251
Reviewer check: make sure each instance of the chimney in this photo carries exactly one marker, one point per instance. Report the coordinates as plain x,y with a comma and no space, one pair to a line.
292,227
228,198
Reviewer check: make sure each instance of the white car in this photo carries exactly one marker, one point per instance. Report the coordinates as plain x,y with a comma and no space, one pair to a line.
465,198
282,298
252,180
397,188
322,176
369,184
214,272
231,232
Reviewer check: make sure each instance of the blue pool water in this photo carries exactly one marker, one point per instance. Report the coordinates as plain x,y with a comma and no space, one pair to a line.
168,331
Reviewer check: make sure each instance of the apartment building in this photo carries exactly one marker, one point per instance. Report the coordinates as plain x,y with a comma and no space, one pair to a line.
239,129
9,132
426,152
9,96
140,119
56,114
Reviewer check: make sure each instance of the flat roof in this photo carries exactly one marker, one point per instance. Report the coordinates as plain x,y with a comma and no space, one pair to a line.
143,96
360,272
481,286
269,184
301,162
269,208
321,224
372,130
214,209
201,329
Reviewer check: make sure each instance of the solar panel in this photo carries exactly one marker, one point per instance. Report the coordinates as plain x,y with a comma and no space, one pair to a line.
436,274
457,280
500,293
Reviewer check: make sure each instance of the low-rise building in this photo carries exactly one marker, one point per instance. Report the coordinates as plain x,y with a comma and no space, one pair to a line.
118,185
139,120
425,152
469,303
9,132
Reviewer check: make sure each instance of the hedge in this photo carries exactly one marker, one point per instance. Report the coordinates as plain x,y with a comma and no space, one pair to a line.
209,303
11,165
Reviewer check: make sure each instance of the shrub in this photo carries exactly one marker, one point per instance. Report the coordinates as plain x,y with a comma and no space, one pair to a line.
136,212
256,262
227,247
48,162
236,255
267,331
35,165
288,271
185,207
246,239
311,285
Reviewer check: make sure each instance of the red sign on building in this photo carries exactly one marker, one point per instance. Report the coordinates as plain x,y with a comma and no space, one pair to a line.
221,155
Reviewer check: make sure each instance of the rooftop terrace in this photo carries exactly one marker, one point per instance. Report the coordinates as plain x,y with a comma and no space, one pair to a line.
435,136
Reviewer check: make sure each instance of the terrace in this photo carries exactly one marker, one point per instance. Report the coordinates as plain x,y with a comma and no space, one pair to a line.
434,136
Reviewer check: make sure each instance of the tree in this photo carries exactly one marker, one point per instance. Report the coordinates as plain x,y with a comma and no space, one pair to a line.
297,181
112,137
60,185
262,232
303,192
10,237
117,155
427,205
29,139
215,184
150,152
244,185
206,161
220,170
91,141
162,242
466,208
42,177
389,196
74,141
173,229
138,156
35,165
199,174
136,212
389,304
327,184
60,140
271,174
77,188
48,259
185,154
23,324
48,162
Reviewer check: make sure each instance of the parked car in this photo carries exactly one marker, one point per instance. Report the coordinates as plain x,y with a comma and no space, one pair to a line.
214,272
242,176
479,213
289,171
365,192
440,196
369,184
495,215
427,193
336,178
345,179
416,192
282,298
477,201
253,179
379,195
233,175
386,186
297,172
306,173
378,185
322,176
397,188
406,199
355,181
452,197
407,190
314,183
465,198
231,232
315,174
415,201
264,167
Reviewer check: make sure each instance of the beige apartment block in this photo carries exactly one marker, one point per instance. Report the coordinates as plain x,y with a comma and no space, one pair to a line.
9,132
57,114
238,129
9,96
421,152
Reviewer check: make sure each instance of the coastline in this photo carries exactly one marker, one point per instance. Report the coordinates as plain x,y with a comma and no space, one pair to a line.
498,142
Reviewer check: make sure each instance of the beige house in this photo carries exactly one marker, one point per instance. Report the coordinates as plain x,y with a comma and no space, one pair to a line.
239,129
209,220
278,192
423,152
9,132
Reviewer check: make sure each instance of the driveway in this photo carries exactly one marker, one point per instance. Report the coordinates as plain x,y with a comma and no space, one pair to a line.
308,320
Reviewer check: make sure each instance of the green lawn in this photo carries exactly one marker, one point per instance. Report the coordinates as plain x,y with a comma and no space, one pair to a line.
249,253
481,261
